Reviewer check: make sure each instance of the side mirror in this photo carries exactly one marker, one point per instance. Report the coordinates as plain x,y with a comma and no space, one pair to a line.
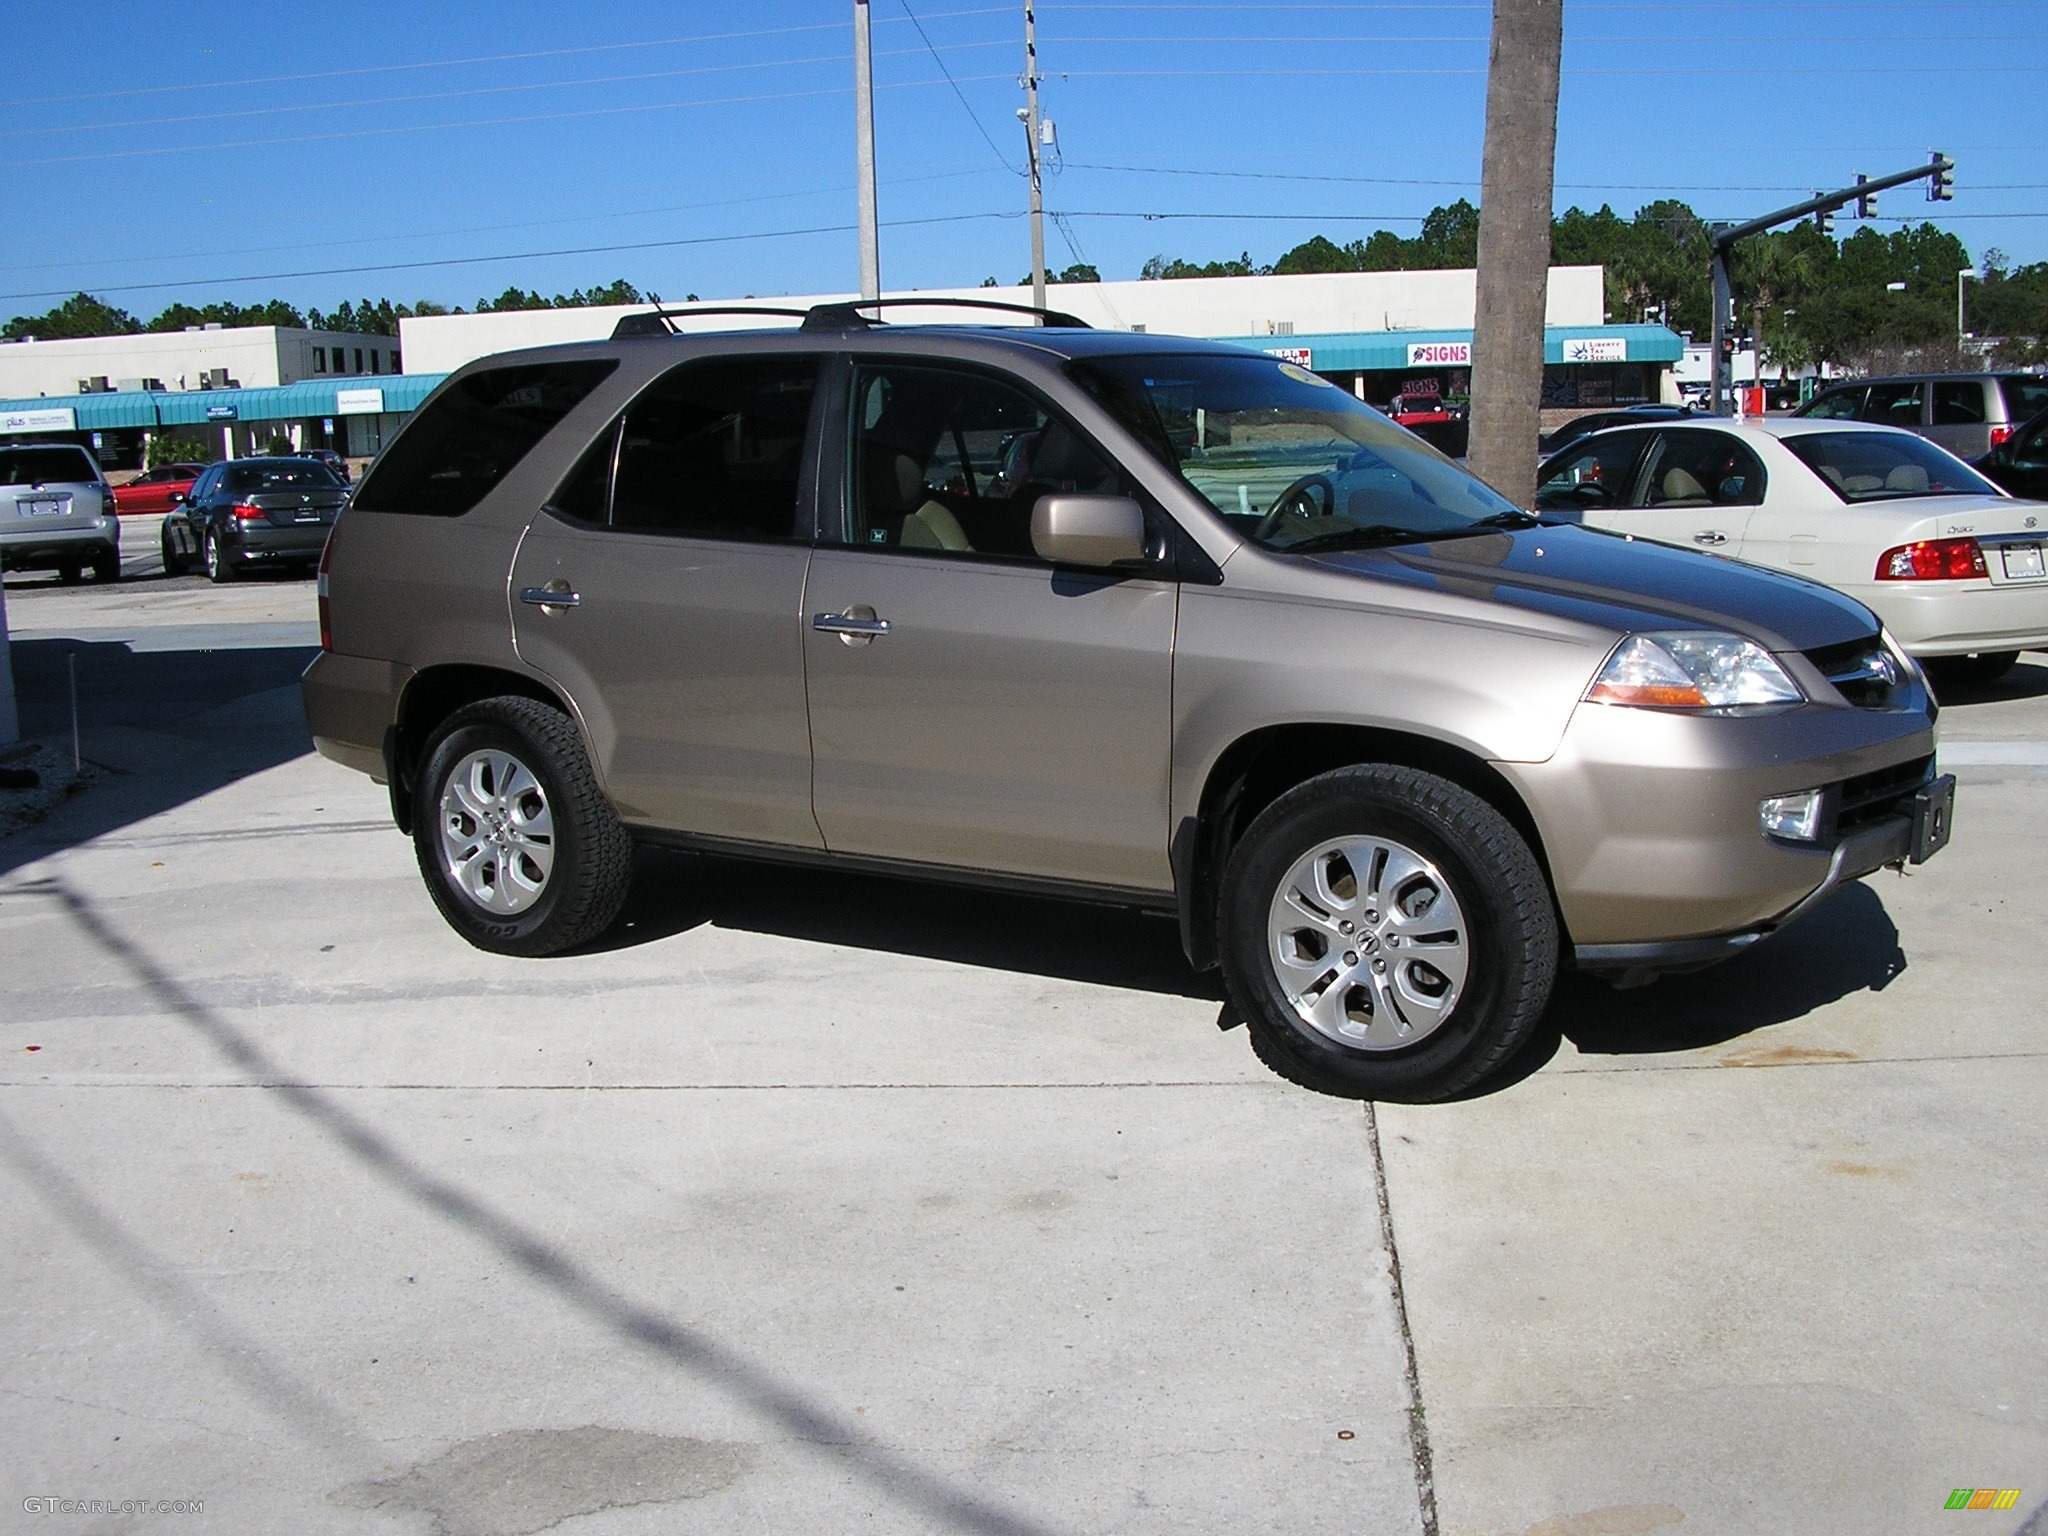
177,497
1088,530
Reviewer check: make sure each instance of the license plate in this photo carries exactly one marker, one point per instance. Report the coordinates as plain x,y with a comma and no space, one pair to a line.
41,506
1934,810
2022,561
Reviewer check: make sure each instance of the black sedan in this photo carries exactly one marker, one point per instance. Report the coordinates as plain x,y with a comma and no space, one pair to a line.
2020,463
251,512
1599,421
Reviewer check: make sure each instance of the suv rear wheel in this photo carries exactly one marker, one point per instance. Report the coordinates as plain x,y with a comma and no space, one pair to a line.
518,845
1386,935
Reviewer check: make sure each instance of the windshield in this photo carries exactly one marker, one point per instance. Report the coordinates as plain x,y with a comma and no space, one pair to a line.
1885,466
45,466
1289,459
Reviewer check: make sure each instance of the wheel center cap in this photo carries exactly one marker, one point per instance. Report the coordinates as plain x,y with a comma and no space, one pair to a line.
1368,943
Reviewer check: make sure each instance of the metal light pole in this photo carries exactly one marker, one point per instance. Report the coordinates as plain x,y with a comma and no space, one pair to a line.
864,134
1029,114
1961,275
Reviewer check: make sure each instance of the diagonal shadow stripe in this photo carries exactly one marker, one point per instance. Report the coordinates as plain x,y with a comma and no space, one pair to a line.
776,1399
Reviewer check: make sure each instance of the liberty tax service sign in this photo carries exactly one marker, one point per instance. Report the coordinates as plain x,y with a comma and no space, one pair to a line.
1596,349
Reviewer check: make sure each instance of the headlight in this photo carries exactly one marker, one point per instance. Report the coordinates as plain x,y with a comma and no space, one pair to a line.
1692,669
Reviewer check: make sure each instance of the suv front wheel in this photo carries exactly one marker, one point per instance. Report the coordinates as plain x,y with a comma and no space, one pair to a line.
1386,934
519,847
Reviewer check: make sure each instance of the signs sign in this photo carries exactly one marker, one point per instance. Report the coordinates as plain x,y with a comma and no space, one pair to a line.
60,419
1439,354
358,402
1596,349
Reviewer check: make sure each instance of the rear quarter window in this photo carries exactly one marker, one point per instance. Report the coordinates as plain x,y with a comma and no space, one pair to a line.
45,466
472,434
2024,397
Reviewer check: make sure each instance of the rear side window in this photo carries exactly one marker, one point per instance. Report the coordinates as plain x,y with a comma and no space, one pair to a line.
1894,405
2023,397
1837,404
1958,403
472,433
45,466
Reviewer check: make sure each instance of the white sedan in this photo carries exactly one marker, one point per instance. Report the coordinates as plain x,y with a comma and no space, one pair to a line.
1950,563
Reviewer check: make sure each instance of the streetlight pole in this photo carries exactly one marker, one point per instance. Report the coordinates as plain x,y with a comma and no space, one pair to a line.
864,134
1030,116
1962,274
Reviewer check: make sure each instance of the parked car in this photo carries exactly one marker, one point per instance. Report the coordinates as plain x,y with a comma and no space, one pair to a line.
331,459
1232,646
1967,413
1600,421
57,513
251,512
154,492
2020,463
1422,410
1950,562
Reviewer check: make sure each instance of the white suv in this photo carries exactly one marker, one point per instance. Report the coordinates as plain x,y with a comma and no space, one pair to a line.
57,513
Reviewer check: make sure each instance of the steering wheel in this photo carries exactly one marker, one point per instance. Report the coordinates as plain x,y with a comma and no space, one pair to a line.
1296,502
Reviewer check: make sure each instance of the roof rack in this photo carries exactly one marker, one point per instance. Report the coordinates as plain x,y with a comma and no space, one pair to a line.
847,316
657,321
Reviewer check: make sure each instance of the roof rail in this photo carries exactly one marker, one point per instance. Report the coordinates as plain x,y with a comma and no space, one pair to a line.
657,321
846,315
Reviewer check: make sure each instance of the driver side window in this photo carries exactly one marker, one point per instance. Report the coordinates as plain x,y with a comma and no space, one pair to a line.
1598,475
947,462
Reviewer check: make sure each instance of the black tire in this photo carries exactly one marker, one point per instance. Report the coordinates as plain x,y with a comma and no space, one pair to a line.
219,568
592,853
1509,927
174,563
1975,671
106,565
70,572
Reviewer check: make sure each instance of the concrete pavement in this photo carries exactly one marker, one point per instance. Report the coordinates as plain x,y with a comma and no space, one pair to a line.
819,1203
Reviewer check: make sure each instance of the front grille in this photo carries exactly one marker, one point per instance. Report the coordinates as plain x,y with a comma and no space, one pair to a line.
1862,671
1873,796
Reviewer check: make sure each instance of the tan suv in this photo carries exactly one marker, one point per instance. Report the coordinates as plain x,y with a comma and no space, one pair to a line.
1125,618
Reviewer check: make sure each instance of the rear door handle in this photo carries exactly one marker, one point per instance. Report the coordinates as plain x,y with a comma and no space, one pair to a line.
1711,536
558,595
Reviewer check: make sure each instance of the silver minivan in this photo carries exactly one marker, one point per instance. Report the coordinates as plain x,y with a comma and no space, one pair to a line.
1969,414
57,513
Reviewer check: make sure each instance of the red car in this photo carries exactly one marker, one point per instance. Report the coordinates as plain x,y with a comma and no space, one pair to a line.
153,492
1421,411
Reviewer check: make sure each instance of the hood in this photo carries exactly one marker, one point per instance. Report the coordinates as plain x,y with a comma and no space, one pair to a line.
1623,584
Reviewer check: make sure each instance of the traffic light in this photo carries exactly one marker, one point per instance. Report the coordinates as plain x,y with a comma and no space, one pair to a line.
1866,202
1941,187
1824,221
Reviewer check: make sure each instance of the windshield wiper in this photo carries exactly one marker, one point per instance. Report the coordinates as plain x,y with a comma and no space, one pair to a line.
1510,520
1360,537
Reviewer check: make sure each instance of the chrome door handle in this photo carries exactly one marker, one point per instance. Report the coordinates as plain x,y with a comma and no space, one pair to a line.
847,624
559,596
1710,537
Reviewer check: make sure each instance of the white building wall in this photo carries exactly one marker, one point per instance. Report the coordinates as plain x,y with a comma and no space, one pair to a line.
1196,306
256,357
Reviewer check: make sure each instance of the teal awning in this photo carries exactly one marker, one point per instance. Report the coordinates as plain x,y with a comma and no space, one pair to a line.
303,401
1369,351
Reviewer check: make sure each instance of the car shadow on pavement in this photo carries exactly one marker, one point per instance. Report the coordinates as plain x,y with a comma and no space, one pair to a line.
159,728
1039,936
2027,680
1848,944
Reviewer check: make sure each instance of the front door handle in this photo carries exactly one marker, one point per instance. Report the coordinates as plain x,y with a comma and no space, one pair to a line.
556,594
857,626
1711,536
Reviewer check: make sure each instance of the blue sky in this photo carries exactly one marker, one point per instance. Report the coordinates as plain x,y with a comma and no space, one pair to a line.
238,151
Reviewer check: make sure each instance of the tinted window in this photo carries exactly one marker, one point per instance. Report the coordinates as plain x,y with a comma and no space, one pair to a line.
2031,451
713,450
2023,397
1598,472
470,435
1703,469
45,466
1882,466
1958,402
946,461
1893,405
1837,404
263,478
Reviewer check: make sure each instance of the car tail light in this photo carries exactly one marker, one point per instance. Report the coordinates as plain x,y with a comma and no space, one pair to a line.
1933,560
2000,435
249,512
320,595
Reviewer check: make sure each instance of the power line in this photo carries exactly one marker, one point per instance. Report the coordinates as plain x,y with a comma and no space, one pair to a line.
1445,181
965,105
472,261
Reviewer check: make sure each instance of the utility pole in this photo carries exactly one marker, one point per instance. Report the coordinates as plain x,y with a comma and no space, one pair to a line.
1519,164
1029,114
864,134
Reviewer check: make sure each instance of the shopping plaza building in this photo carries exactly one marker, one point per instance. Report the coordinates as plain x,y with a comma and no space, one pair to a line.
239,391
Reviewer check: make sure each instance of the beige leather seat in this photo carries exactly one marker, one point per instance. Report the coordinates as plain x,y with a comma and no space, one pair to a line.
1907,480
896,481
1680,486
933,526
